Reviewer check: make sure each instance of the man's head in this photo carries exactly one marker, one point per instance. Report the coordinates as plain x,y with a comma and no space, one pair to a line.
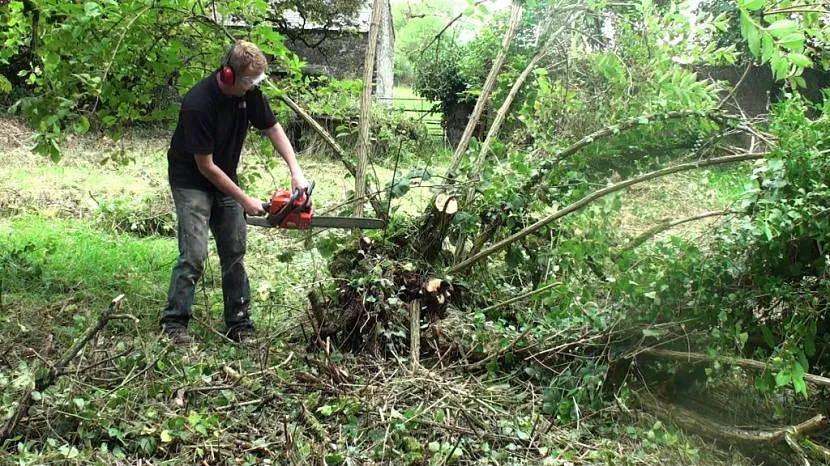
242,68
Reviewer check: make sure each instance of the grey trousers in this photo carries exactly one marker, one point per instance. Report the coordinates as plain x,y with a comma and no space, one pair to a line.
197,211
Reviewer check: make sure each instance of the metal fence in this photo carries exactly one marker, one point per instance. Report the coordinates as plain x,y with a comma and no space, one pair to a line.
421,110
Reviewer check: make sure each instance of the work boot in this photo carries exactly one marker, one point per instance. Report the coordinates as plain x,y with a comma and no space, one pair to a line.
243,335
178,336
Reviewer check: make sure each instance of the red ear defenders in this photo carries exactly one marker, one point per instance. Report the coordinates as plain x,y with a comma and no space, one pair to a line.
227,73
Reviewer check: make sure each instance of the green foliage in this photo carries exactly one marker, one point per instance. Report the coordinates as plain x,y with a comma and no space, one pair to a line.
115,64
416,23
775,36
437,74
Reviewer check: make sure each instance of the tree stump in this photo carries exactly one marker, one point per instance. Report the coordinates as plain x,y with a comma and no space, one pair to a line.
435,225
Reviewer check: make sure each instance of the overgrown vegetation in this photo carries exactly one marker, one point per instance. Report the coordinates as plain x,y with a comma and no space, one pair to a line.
537,323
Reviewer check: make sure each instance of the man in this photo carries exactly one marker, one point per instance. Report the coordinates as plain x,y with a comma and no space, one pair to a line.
202,162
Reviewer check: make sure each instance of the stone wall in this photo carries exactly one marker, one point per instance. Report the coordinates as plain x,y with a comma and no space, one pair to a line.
340,54
758,88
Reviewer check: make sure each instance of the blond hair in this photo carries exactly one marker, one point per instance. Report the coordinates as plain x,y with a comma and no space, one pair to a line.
247,58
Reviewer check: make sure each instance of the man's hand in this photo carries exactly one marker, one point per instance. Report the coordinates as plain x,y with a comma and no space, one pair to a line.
298,181
253,207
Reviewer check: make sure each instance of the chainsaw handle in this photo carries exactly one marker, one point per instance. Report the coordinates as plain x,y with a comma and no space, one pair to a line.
308,190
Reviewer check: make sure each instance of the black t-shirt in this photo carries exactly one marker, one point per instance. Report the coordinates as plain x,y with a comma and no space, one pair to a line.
211,122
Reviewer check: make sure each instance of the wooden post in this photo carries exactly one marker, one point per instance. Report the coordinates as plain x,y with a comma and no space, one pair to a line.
415,333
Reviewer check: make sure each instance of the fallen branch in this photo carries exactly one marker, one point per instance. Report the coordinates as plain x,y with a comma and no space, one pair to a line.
700,357
536,188
521,297
415,334
57,369
597,195
692,421
664,225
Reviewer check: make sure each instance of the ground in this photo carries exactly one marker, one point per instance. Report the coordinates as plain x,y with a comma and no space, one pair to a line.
77,233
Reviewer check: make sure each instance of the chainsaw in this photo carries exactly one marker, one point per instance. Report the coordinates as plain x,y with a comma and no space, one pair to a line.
294,211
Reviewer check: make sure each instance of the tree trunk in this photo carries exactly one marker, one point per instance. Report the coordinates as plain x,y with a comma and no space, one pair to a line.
363,145
492,134
489,84
385,56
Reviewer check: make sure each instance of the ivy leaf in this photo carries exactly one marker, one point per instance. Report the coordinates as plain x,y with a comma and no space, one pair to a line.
768,338
5,85
166,437
92,9
798,379
782,378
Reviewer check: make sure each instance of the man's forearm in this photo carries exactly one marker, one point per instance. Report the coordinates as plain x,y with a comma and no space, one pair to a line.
281,143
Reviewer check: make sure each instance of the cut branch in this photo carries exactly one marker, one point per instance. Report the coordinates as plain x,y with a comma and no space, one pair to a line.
57,369
597,195
415,333
521,297
700,357
534,184
664,225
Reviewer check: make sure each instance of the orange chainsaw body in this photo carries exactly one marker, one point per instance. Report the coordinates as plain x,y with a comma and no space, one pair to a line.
300,213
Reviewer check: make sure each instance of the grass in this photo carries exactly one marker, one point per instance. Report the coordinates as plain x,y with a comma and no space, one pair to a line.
680,196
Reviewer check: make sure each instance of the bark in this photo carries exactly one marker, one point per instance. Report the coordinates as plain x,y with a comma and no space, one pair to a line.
363,146
385,56
594,196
